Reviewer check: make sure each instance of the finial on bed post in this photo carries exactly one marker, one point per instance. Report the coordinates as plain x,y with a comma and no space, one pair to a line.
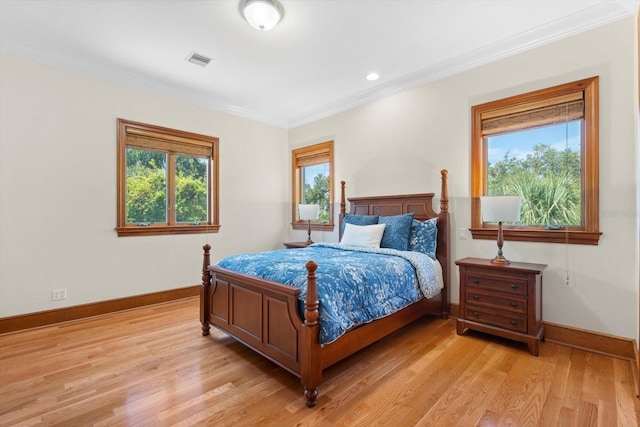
444,198
204,290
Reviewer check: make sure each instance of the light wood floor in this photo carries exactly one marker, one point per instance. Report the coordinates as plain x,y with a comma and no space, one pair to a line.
152,367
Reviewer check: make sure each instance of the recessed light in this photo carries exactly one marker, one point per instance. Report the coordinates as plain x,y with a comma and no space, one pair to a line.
373,76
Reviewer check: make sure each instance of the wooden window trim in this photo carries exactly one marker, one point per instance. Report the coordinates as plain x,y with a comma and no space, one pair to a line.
307,156
589,233
148,136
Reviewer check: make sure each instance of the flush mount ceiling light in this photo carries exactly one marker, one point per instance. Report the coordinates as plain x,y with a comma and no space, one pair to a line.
262,15
373,76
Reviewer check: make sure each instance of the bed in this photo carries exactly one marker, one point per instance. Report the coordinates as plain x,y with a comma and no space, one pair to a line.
269,317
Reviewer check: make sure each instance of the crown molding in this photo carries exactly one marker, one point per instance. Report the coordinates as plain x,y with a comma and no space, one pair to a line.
594,17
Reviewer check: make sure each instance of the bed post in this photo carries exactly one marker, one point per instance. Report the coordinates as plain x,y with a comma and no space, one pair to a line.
204,290
310,366
443,233
444,199
343,209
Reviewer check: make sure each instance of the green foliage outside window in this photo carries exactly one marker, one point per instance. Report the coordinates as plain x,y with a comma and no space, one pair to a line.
146,186
318,193
549,182
191,189
147,200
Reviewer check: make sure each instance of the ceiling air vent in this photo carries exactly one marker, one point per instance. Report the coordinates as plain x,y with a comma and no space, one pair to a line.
196,58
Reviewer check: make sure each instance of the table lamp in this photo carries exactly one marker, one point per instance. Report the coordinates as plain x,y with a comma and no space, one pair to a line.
309,213
500,209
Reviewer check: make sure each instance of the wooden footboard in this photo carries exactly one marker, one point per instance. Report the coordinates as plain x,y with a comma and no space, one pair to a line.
263,315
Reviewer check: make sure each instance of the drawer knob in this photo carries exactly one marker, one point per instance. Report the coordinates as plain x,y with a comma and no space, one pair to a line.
476,297
514,286
475,313
514,322
476,280
514,304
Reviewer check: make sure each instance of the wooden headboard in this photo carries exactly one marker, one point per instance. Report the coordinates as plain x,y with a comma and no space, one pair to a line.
420,204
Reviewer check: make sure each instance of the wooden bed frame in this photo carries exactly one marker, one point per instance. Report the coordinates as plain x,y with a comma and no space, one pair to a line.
264,315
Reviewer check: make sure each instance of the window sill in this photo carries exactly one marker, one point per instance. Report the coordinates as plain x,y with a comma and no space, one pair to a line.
159,230
568,236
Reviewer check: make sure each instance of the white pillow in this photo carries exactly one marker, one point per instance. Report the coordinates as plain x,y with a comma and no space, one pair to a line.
363,235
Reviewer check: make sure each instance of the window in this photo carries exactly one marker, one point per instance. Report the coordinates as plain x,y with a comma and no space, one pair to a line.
543,146
313,183
167,181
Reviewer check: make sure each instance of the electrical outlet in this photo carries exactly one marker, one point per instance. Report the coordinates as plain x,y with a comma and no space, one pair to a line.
58,294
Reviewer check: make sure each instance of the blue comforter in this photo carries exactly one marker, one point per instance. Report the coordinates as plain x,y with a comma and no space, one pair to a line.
355,285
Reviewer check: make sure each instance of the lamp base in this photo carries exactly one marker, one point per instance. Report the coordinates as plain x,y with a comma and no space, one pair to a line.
500,260
309,241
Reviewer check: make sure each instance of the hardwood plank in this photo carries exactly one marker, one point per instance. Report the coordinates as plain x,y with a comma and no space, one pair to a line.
575,382
560,357
628,410
151,366
607,415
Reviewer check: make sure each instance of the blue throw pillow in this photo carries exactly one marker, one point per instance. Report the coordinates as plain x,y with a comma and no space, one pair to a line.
424,237
359,220
397,231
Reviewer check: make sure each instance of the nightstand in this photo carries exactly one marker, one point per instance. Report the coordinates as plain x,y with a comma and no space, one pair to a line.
296,245
503,300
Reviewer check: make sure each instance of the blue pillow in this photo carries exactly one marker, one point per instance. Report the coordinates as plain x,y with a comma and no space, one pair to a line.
359,220
424,237
397,231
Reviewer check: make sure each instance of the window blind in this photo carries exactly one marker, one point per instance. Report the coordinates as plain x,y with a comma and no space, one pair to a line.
143,138
311,158
551,111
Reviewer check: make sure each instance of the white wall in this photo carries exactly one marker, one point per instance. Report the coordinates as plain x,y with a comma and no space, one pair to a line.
398,145
58,190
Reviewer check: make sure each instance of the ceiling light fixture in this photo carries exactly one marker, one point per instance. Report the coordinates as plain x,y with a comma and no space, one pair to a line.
373,76
262,15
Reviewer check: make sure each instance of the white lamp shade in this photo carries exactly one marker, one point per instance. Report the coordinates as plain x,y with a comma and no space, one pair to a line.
309,212
500,208
262,15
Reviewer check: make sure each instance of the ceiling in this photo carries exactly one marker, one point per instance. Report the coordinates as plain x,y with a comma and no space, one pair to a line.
311,65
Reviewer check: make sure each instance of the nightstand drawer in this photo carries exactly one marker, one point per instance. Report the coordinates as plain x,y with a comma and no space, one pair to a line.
506,321
479,297
516,286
